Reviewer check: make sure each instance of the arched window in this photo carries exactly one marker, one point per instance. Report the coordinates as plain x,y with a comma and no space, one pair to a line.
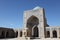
54,34
48,34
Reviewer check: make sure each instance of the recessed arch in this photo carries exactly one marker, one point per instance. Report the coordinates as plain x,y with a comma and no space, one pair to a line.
35,31
3,34
48,34
33,20
54,34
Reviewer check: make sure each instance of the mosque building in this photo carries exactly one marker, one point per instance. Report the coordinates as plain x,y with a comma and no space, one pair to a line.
35,26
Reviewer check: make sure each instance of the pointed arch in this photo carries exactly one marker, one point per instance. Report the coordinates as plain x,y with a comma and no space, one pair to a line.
48,34
33,20
35,31
54,34
3,34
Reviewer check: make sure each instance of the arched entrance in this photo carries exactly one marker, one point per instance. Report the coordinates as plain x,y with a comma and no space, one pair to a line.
54,34
31,22
48,34
35,31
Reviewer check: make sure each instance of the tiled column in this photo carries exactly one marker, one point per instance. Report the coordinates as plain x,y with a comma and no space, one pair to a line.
51,35
57,33
23,33
18,32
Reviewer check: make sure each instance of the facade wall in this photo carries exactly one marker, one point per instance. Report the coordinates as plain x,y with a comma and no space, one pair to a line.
7,33
51,31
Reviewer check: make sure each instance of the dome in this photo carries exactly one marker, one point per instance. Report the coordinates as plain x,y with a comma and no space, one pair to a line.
36,8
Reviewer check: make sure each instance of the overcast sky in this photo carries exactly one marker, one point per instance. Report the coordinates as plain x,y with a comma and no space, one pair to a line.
11,11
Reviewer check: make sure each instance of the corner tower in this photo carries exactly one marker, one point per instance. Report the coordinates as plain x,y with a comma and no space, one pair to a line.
35,21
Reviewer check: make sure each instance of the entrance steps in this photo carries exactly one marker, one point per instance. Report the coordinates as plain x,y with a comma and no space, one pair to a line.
28,38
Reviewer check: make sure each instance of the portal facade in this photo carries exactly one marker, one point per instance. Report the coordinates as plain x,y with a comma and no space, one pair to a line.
35,22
